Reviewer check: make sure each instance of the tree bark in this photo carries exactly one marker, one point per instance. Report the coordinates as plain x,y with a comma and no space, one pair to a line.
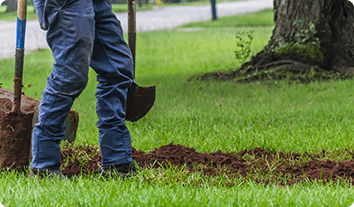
316,33
11,6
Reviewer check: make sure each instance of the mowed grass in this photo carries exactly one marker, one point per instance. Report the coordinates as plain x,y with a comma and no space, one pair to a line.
207,115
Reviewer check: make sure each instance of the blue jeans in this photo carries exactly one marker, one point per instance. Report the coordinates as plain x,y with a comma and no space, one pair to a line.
83,33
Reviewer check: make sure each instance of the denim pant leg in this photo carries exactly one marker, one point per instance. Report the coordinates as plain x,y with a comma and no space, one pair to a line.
113,63
70,37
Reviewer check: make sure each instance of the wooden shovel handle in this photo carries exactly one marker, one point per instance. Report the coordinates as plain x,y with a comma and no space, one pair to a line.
20,51
132,28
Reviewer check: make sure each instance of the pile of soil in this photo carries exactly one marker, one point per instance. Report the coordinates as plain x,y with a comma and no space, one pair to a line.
286,168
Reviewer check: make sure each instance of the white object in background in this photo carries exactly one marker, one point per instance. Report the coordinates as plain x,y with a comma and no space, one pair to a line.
349,206
1,1
0,203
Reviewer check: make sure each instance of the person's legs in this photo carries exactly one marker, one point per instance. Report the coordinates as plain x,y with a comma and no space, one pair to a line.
70,37
113,63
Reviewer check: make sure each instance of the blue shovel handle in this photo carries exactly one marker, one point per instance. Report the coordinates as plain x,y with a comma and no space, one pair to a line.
20,50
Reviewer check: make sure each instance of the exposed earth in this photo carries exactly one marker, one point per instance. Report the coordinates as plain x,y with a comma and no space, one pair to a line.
283,168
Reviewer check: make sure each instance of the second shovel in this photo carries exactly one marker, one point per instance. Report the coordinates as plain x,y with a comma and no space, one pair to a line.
140,99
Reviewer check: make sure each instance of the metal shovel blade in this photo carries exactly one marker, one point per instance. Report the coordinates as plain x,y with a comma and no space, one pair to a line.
139,102
31,105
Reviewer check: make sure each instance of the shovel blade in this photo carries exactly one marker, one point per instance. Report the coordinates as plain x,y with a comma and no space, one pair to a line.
15,139
140,101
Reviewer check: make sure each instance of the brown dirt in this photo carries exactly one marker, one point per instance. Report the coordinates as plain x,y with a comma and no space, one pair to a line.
15,139
287,168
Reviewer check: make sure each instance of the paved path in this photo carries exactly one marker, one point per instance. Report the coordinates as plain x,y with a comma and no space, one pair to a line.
157,19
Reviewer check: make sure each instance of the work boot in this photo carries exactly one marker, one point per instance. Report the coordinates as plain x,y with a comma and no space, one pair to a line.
124,170
43,173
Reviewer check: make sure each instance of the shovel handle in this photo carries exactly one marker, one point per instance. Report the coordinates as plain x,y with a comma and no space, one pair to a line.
20,50
132,29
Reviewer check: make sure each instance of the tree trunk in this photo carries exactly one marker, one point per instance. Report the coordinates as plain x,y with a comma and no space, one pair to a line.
310,34
11,5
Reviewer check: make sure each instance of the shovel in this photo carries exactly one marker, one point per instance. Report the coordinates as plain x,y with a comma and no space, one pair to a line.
22,104
19,113
15,126
140,99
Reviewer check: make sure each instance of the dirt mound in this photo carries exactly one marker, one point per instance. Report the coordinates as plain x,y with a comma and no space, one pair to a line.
257,164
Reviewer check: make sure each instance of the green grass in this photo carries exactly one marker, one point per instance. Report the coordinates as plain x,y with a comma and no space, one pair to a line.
117,8
197,3
207,115
262,19
19,191
11,16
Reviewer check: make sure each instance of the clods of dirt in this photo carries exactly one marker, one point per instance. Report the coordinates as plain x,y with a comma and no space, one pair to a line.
80,160
279,167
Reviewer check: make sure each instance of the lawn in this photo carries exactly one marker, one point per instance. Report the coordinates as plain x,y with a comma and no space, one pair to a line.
196,3
207,115
116,8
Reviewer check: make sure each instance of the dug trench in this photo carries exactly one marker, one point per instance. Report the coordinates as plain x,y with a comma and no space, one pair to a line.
257,164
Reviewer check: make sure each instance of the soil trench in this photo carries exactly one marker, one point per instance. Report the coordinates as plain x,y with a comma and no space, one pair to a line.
287,168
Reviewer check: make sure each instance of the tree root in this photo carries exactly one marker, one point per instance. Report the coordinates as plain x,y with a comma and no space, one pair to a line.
278,70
